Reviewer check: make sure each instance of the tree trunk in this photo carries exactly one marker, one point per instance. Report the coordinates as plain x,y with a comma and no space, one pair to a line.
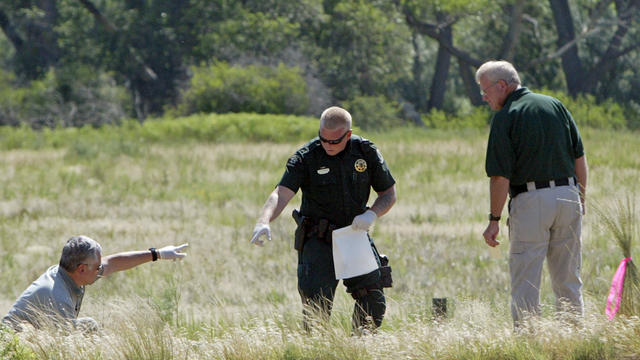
11,32
443,61
418,85
35,41
626,11
470,85
510,41
571,64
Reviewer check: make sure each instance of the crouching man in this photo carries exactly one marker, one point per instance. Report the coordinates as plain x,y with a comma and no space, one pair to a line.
56,296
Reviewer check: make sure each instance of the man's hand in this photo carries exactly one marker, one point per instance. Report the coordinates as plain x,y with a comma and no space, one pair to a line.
491,233
172,252
363,221
258,231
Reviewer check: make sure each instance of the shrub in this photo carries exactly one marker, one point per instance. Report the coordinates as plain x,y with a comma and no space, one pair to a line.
61,98
478,117
586,111
129,137
374,112
221,88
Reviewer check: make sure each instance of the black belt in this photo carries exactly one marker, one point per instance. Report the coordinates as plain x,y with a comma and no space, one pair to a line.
517,189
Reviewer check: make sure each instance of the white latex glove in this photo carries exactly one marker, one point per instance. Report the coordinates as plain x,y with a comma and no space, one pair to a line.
258,231
363,221
172,252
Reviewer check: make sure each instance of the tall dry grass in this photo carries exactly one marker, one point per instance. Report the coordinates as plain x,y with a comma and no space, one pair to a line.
231,300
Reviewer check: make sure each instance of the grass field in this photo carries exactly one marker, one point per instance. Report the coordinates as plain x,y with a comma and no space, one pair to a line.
229,299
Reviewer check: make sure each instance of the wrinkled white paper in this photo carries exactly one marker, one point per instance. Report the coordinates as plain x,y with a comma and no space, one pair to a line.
352,253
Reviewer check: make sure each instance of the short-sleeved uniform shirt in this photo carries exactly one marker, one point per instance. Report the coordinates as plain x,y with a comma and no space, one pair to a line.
336,187
533,138
54,294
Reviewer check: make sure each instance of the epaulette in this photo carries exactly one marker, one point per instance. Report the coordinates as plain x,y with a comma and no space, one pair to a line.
365,144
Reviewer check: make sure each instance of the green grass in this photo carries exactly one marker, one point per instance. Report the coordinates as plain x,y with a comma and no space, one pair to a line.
140,186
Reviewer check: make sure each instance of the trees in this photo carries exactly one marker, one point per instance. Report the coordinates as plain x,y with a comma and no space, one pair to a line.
609,33
420,53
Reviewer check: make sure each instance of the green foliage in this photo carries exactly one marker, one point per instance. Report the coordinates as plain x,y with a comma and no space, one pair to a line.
253,34
587,111
374,112
477,118
62,98
222,88
130,137
361,49
11,348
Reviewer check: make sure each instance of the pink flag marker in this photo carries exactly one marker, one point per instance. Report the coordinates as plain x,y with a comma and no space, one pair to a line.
615,294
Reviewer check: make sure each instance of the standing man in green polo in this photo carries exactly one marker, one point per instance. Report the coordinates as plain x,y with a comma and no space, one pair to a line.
335,172
535,154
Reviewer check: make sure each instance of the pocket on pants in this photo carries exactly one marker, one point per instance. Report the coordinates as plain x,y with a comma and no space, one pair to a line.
517,247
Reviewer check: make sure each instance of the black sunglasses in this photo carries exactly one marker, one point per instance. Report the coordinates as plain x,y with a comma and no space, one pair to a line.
332,142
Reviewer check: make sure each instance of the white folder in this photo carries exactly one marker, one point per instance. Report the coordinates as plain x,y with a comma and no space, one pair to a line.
352,253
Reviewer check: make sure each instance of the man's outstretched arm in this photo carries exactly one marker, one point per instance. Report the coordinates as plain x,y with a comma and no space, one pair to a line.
129,259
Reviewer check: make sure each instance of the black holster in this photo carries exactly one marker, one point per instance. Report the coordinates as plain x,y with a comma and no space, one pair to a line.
301,230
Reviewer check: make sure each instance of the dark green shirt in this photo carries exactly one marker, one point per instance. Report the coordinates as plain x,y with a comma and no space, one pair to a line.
533,138
337,187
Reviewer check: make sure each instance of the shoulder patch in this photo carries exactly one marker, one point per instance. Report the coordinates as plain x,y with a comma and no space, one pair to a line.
294,159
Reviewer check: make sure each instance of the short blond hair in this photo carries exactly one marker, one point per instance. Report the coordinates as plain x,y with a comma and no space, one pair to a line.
498,70
335,118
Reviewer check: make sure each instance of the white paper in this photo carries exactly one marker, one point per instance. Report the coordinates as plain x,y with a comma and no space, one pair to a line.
352,253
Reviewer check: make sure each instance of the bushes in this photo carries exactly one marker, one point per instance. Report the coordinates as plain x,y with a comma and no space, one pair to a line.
587,112
374,112
221,88
76,98
230,128
128,136
478,117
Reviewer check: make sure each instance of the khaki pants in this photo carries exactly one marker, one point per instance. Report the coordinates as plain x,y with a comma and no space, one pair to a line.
545,223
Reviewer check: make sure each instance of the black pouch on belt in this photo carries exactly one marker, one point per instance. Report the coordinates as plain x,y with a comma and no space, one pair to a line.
385,272
325,230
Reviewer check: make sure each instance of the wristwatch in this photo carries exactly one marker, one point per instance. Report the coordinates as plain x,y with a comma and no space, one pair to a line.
493,218
154,254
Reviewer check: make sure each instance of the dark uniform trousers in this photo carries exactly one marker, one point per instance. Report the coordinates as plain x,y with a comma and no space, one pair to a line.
317,285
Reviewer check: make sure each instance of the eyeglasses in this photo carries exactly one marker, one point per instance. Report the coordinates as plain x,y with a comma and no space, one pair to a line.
99,268
332,142
483,92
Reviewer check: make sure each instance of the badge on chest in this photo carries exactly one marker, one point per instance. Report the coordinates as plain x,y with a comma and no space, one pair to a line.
360,165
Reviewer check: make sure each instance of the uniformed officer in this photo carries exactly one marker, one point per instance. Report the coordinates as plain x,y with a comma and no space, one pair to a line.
56,296
335,172
535,154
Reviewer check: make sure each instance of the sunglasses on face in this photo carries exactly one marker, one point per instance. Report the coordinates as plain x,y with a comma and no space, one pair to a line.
332,142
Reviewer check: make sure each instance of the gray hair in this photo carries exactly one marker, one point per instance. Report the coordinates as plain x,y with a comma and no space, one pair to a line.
335,118
498,70
77,250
